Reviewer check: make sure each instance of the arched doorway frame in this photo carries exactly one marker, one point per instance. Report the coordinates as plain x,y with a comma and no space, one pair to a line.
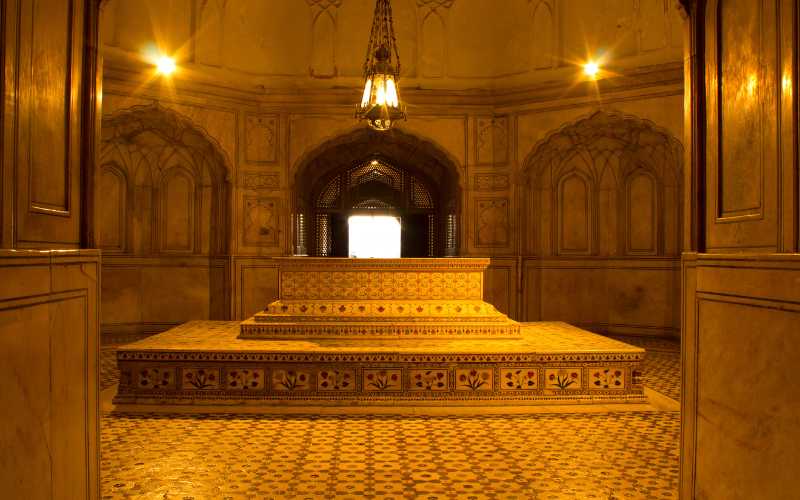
403,149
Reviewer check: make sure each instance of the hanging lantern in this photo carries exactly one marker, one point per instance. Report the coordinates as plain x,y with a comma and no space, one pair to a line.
380,104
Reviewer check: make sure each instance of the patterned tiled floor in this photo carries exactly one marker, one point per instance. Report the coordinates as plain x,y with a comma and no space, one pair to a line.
631,455
606,456
662,365
109,375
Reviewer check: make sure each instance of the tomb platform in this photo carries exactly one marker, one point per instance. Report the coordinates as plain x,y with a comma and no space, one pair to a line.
380,298
382,332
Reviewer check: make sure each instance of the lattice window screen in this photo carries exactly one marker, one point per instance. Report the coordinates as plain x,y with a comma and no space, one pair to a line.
376,171
451,236
331,195
431,235
324,235
420,196
373,204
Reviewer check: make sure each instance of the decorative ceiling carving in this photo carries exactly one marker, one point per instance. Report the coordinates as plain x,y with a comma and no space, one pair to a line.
435,4
324,4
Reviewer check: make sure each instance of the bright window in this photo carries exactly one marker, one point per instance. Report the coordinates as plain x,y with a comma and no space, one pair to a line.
374,236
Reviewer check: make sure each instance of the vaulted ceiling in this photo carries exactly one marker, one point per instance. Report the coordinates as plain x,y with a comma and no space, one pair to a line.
452,44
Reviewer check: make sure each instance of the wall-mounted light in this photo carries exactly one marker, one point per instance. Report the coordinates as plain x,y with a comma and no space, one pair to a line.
165,65
591,69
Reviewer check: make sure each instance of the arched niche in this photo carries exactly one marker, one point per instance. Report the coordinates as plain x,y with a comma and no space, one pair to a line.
543,36
424,170
323,44
630,171
575,235
434,38
176,185
112,221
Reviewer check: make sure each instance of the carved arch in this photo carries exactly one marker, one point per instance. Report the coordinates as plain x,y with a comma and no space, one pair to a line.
112,227
612,147
544,35
148,141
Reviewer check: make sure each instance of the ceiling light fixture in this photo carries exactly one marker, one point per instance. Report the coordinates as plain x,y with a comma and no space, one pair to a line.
380,103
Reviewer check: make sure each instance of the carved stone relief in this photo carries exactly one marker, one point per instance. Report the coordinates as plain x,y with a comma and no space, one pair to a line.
543,35
261,138
492,222
170,188
323,37
491,182
324,4
492,140
433,46
261,222
261,181
435,4
608,184
209,31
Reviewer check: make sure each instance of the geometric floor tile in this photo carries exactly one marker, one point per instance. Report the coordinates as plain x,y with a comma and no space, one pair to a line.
619,455
625,455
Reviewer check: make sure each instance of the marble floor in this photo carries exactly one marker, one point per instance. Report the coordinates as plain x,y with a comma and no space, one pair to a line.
617,455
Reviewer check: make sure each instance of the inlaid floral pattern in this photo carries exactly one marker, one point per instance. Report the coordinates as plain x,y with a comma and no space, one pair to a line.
474,379
334,379
156,378
382,380
245,379
291,380
429,380
200,378
608,378
519,379
563,379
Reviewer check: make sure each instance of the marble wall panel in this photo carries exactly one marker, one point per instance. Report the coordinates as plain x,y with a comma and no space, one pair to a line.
255,284
43,44
150,294
49,353
449,134
739,350
500,285
628,296
743,155
261,138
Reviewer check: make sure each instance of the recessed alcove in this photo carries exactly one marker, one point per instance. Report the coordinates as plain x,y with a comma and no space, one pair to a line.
366,172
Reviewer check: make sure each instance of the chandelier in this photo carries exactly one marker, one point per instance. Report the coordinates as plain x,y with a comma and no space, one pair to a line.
380,104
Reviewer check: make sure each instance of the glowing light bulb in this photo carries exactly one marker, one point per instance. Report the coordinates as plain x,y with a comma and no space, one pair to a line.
367,93
165,65
591,69
391,93
380,91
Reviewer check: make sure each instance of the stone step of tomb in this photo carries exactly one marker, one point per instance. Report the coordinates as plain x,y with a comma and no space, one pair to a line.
381,310
205,363
253,329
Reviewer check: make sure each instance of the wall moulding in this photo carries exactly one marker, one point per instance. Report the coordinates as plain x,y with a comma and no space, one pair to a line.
261,181
121,76
491,182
